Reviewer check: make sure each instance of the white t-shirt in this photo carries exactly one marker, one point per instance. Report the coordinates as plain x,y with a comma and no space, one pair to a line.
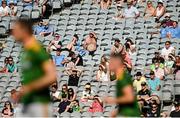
14,10
103,76
165,52
4,11
130,12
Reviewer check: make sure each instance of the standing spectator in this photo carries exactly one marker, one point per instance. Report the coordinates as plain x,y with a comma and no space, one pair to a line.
104,4
63,105
11,67
117,47
102,74
154,111
76,59
130,46
4,9
74,75
97,105
90,43
177,68
167,50
87,94
130,11
176,112
71,95
160,11
55,43
74,107
153,82
174,31
13,8
7,110
149,11
138,81
6,62
59,59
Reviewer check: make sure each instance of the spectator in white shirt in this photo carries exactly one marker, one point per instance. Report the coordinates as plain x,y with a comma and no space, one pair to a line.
4,9
159,72
167,50
130,11
13,8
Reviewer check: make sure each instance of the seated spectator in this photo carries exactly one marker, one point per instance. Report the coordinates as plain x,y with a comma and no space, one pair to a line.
117,47
13,8
76,59
7,110
143,95
167,21
74,75
160,11
59,59
4,9
55,94
104,4
28,4
102,74
174,31
130,46
130,11
2,46
63,105
55,43
157,58
104,63
6,62
74,43
90,43
153,83
154,111
176,67
155,63
167,50
43,29
11,67
97,105
149,11
138,81
9,1
169,64
64,91
87,94
74,107
159,72
44,4
71,95
13,98
164,31
176,112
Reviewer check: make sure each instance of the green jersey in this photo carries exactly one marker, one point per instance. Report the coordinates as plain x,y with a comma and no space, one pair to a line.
130,110
32,70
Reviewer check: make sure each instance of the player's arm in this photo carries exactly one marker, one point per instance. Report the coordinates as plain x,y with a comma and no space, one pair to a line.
128,97
48,78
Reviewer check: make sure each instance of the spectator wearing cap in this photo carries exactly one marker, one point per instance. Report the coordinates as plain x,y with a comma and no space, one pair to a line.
167,50
153,83
55,43
4,9
43,29
176,112
154,111
130,11
59,59
174,31
137,82
13,8
149,11
167,21
160,11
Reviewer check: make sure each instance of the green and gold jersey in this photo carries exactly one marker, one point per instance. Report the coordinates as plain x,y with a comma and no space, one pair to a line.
32,62
130,110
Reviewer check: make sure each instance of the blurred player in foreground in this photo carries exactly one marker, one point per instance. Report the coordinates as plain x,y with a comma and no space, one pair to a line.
125,98
38,73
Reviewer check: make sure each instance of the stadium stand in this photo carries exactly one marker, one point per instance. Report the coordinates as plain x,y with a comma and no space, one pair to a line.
81,19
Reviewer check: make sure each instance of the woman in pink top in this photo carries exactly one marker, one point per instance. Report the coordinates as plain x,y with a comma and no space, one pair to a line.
97,105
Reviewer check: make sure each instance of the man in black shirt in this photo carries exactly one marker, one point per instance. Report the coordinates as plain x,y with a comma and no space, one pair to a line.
157,58
63,105
76,59
176,112
153,112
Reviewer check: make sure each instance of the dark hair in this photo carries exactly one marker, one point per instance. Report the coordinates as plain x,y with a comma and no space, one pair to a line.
77,101
70,95
88,83
117,40
152,73
8,103
13,91
129,40
71,53
76,36
26,24
168,42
